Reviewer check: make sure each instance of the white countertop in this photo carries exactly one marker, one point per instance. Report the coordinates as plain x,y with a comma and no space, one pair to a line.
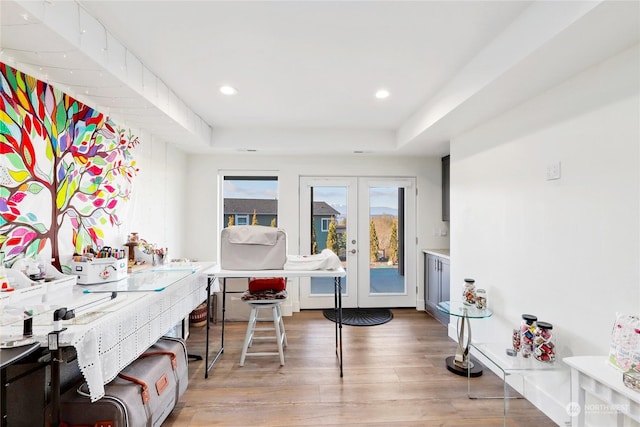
444,253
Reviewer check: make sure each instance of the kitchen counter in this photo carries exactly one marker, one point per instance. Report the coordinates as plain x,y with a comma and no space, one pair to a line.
444,253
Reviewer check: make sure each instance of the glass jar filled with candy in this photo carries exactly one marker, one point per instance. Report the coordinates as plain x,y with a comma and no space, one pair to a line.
515,341
469,292
481,299
545,348
527,334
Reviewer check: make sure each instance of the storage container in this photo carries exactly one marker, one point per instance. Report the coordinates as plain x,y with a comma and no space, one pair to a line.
527,330
544,342
469,292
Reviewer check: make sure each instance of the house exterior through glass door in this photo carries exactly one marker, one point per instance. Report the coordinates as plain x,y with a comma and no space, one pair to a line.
370,224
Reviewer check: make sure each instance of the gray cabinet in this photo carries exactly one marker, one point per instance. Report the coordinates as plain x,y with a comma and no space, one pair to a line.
436,283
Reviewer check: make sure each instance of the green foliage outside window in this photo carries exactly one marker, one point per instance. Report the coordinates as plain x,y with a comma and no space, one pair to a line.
332,237
374,244
393,242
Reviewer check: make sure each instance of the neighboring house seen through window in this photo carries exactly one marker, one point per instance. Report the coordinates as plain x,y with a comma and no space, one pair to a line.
250,200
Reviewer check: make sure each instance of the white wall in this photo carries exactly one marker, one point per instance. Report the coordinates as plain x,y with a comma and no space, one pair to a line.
157,208
565,250
203,200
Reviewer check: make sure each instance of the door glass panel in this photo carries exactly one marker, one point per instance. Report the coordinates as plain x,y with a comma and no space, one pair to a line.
386,249
328,230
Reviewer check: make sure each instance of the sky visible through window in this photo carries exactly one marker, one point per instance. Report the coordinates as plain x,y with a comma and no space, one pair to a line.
381,198
244,189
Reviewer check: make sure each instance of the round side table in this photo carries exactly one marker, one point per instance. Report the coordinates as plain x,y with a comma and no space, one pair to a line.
461,363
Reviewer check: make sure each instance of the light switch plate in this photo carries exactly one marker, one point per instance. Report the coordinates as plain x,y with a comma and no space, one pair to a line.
553,171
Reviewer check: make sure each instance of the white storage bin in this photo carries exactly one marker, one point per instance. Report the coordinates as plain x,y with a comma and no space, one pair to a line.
99,270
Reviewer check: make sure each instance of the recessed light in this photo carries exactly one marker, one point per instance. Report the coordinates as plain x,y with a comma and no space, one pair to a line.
228,90
382,94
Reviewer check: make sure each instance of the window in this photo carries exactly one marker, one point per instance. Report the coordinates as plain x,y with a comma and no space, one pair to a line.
325,224
250,200
242,220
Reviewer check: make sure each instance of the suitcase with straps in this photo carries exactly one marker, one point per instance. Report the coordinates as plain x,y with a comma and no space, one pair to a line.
143,394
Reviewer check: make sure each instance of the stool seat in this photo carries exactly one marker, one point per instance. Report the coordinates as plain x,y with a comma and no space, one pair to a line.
280,337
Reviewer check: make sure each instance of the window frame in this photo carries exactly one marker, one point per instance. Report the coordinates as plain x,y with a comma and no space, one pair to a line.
244,175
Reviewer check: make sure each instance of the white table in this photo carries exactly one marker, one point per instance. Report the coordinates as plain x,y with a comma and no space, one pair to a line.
337,276
114,322
593,375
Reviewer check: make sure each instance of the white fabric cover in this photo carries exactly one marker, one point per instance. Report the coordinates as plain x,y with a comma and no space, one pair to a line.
253,235
325,260
253,247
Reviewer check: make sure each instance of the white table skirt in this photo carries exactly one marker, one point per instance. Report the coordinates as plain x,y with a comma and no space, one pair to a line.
108,345
120,334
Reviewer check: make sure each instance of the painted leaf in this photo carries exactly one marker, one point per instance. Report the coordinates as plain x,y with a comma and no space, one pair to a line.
61,197
19,176
34,188
15,160
40,227
18,197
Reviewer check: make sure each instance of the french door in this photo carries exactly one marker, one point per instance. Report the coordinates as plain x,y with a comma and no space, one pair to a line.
370,224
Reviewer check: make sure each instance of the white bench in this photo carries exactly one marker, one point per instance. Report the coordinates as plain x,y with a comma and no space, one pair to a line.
592,375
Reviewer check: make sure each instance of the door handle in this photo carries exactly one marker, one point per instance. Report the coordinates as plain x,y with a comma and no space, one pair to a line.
353,251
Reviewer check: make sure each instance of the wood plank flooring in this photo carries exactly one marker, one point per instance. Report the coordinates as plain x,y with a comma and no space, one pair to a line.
394,375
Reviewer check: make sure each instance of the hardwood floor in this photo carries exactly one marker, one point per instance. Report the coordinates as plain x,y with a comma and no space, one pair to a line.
394,375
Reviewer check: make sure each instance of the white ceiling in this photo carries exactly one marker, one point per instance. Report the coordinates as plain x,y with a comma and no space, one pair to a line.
307,71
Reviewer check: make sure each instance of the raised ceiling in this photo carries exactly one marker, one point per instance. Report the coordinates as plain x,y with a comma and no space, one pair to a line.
307,71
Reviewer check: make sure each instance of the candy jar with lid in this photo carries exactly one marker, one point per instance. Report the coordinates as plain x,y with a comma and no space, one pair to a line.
469,292
545,348
527,334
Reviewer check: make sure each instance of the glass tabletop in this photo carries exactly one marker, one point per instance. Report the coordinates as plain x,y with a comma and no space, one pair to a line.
40,306
497,353
154,280
460,309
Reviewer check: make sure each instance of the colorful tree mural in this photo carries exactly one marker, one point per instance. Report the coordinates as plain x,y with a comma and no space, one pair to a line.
62,163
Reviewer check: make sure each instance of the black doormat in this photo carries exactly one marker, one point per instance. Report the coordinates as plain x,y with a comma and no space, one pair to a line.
361,316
